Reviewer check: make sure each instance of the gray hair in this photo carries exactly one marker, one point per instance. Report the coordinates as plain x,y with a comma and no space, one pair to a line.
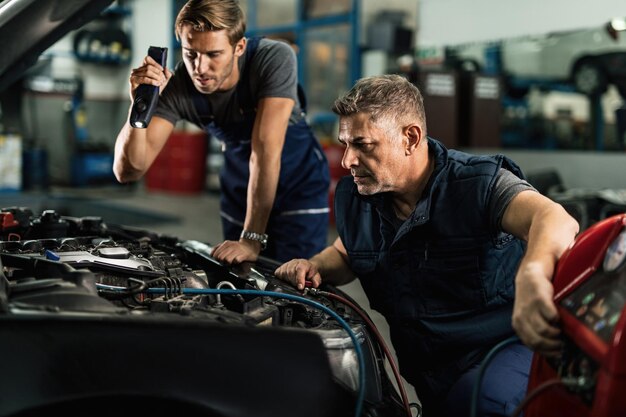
386,98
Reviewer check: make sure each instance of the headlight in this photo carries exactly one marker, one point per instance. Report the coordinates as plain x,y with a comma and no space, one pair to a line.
341,355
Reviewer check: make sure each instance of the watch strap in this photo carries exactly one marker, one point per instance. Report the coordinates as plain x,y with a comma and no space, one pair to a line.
256,237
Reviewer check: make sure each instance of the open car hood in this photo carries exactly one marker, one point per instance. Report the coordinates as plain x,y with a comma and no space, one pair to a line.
96,315
29,27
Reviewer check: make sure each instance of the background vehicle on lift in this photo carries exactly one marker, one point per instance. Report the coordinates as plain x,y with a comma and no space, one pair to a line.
589,59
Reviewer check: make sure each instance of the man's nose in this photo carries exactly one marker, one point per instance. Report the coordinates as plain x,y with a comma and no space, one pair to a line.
203,63
349,158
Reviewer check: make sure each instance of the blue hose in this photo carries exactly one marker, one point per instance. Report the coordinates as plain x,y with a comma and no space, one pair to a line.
303,300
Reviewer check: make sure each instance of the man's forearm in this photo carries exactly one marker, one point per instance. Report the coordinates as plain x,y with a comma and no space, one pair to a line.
130,150
332,266
268,138
535,316
136,149
551,233
262,185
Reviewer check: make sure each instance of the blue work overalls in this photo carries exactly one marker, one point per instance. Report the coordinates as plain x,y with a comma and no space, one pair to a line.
298,224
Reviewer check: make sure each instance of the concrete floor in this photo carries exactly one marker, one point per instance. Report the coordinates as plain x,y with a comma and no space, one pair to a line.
187,216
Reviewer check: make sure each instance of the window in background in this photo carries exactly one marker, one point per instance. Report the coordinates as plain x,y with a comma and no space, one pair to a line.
324,34
327,62
272,12
321,8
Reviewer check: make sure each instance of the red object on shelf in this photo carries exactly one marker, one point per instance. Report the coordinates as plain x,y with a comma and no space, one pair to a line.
334,154
181,165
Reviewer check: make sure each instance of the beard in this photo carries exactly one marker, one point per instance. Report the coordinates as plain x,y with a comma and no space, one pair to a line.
367,184
212,83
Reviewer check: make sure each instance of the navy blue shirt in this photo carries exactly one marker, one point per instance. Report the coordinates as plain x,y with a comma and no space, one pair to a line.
443,278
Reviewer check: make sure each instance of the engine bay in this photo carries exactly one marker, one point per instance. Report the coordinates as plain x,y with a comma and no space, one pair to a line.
80,283
62,264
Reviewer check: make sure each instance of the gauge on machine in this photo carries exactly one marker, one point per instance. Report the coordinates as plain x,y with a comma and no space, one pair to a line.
616,253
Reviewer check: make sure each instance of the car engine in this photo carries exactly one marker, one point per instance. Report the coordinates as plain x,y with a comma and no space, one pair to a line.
116,319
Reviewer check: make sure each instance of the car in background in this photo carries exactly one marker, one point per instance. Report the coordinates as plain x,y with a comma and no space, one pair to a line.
588,59
105,319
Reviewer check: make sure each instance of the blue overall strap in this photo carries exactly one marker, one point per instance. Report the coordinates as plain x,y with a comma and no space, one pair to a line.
246,103
302,98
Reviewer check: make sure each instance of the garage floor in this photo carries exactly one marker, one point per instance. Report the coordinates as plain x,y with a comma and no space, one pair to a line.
186,216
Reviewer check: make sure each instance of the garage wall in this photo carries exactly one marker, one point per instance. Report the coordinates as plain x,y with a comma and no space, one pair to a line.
152,26
583,170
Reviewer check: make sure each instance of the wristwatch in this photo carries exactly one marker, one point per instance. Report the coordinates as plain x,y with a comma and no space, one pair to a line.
257,237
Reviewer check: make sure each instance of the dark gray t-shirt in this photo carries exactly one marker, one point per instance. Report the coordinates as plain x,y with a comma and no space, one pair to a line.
507,186
272,73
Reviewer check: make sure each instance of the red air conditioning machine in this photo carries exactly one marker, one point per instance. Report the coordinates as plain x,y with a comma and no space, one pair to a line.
589,380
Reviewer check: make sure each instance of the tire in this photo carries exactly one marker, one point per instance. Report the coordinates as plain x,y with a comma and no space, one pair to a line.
589,77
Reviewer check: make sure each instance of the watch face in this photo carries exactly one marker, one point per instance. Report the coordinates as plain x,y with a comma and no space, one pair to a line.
615,253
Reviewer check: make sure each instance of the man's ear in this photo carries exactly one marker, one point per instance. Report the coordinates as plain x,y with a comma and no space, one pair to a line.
413,137
240,47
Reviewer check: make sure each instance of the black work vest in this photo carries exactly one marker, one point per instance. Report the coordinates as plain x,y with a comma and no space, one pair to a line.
443,280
